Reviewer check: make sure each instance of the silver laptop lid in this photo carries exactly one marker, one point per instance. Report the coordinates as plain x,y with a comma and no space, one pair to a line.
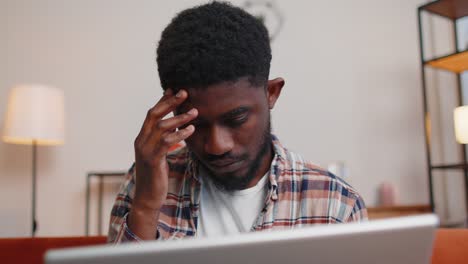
406,240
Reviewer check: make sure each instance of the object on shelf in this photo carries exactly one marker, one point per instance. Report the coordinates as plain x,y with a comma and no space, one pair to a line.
338,168
387,194
460,117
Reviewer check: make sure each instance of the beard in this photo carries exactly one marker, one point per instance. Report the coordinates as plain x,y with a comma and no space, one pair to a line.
234,181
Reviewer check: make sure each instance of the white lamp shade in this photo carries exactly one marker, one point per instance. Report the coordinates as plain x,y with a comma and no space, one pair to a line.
460,116
35,113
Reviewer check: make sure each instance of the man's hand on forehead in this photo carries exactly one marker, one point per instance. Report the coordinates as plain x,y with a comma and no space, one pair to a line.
157,135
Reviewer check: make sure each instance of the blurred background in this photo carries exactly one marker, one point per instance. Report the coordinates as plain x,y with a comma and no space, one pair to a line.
352,100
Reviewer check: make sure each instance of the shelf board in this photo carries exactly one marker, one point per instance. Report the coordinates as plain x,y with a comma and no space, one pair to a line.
397,211
107,173
459,166
452,9
456,62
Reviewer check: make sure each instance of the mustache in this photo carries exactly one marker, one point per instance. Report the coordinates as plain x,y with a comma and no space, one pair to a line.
225,156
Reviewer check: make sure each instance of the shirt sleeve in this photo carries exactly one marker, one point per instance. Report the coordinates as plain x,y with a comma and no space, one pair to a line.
359,211
119,232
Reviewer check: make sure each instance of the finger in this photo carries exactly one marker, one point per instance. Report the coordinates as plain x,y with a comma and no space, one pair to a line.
168,104
165,127
144,128
170,124
178,136
161,145
168,91
163,107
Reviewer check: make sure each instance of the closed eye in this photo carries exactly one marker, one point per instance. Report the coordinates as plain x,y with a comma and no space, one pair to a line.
236,117
237,121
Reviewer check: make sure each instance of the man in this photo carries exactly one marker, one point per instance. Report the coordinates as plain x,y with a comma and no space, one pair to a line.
233,175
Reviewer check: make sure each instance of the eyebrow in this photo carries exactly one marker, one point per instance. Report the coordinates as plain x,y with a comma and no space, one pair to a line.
231,114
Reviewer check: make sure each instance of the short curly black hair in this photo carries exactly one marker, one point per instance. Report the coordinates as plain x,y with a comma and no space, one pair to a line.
213,43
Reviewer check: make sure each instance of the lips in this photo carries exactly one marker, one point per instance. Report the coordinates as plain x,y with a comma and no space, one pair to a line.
223,166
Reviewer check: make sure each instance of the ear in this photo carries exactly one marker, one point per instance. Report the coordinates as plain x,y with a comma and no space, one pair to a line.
273,91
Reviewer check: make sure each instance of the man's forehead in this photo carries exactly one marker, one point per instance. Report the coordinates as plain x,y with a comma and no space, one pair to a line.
221,98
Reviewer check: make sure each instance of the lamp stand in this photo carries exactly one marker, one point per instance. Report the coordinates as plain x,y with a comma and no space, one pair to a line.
34,154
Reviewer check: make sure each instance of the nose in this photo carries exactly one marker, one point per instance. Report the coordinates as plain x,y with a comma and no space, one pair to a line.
218,141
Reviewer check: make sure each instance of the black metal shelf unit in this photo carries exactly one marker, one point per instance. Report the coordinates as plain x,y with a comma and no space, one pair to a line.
456,62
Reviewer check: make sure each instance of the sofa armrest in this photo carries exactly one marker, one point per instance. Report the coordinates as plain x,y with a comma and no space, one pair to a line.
450,246
32,250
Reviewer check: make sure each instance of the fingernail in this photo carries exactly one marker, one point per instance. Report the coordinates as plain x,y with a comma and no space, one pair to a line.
179,94
192,111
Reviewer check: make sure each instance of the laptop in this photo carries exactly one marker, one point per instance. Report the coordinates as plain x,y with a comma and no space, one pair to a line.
405,240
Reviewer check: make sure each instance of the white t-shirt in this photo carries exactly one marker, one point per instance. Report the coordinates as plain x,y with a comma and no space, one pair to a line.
226,213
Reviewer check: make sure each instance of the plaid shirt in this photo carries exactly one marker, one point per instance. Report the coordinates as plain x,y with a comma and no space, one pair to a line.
300,194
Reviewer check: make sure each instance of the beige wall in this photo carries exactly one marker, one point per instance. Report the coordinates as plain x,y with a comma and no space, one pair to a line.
353,93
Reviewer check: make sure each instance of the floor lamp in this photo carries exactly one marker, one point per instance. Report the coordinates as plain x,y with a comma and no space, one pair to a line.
35,116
